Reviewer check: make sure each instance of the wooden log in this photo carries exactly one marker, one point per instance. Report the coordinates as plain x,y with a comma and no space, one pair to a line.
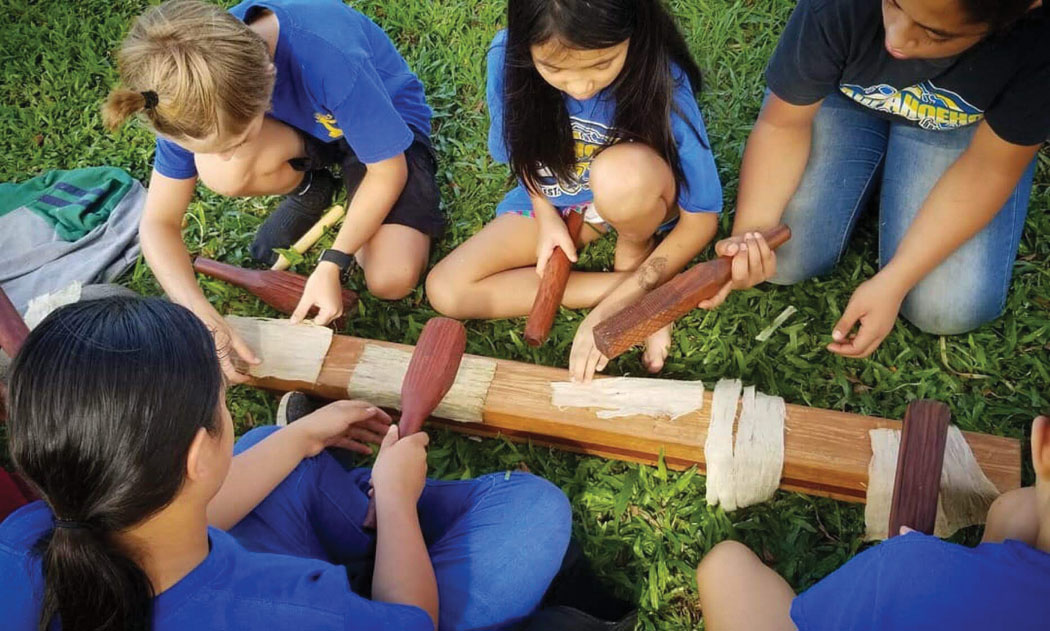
279,289
431,373
919,461
552,287
13,330
670,301
307,241
826,453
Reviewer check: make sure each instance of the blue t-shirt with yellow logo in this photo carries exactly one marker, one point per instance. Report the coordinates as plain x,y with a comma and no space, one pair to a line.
591,121
338,76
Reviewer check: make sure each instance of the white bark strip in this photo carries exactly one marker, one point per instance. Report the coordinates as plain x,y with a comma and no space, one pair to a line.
966,492
42,306
294,352
718,448
630,396
882,469
380,370
758,457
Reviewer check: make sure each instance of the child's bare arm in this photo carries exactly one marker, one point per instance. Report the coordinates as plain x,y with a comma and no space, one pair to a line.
257,471
371,203
403,571
161,233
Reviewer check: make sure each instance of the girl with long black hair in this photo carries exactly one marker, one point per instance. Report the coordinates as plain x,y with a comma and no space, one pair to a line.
117,418
592,104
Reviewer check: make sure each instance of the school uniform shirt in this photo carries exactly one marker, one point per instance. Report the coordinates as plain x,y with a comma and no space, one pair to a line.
338,75
918,582
839,45
231,589
591,121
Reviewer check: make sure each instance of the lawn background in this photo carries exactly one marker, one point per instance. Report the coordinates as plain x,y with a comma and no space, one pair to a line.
645,527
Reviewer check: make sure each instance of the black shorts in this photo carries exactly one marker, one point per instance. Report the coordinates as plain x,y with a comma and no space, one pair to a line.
419,205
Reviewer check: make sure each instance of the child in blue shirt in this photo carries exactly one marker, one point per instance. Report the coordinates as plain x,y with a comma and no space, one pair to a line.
591,104
260,101
912,581
153,519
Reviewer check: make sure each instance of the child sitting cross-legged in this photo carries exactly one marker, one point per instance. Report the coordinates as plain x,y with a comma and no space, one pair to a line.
912,581
153,519
592,105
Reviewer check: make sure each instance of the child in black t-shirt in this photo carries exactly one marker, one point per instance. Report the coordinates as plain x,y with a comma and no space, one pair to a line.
940,106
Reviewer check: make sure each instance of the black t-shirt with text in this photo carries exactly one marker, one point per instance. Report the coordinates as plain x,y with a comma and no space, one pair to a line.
838,45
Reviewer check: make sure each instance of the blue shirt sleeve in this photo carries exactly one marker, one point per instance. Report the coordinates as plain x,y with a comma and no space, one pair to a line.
494,97
372,125
371,615
702,190
171,160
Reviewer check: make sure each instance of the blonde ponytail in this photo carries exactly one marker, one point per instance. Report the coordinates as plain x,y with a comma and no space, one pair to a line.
120,105
204,70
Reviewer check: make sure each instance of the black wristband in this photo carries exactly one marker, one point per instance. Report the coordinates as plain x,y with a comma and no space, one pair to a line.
342,260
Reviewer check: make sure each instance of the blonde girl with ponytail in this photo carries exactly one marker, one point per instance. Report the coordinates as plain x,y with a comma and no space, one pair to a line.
262,100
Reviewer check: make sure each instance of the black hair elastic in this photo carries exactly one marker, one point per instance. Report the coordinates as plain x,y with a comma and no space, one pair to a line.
151,99
70,524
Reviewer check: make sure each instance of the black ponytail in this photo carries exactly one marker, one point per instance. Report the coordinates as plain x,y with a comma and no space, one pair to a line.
537,131
105,398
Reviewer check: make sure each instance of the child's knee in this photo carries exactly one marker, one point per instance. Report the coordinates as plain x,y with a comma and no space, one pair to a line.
725,557
929,310
443,291
620,179
1005,506
1013,515
545,497
392,283
550,511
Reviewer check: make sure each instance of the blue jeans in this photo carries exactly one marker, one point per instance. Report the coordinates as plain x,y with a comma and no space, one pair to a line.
495,541
853,154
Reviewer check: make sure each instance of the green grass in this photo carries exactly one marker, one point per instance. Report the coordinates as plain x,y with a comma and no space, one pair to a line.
646,528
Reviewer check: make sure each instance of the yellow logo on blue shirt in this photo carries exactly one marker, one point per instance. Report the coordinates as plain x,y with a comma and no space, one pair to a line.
590,137
933,108
329,124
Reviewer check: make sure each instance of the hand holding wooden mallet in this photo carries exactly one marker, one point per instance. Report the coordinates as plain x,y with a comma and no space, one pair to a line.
279,289
552,287
670,301
431,373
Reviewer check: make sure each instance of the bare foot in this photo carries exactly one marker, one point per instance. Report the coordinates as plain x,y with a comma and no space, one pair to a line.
630,254
657,346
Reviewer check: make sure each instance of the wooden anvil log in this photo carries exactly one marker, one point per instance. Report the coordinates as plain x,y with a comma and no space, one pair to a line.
826,453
